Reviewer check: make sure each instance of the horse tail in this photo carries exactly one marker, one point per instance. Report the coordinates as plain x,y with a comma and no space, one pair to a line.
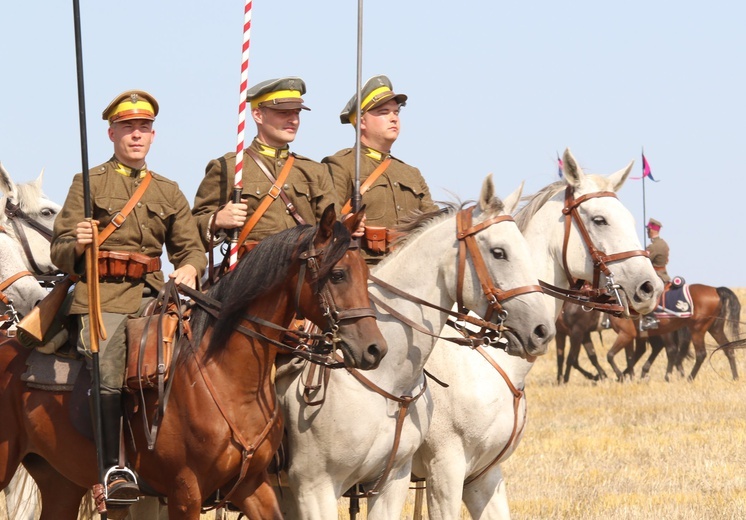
730,312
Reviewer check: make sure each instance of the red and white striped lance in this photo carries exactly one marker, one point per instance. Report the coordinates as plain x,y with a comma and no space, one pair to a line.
240,145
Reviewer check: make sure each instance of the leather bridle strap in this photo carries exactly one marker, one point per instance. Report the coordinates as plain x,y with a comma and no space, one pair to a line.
13,211
465,233
404,402
517,396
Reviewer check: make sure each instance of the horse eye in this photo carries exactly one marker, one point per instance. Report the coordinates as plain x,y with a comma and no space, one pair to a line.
337,275
46,212
599,221
499,253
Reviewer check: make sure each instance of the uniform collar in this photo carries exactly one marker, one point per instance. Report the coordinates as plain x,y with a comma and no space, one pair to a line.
375,154
127,171
269,151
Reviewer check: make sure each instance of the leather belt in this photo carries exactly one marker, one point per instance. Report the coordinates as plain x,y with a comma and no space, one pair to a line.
116,265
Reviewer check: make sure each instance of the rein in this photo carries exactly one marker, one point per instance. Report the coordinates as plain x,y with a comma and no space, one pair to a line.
607,298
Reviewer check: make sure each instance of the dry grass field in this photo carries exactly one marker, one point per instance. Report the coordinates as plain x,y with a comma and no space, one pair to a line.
640,450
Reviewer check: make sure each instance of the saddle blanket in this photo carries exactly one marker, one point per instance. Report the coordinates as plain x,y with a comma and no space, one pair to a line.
675,301
50,372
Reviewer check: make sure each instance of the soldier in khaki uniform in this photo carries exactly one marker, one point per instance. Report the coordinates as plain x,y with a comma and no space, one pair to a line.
302,196
658,249
161,217
398,189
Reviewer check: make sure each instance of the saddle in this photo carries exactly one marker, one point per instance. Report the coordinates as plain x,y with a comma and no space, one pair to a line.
675,300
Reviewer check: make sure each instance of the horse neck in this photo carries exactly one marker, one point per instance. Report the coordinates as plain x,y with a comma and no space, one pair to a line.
545,236
416,269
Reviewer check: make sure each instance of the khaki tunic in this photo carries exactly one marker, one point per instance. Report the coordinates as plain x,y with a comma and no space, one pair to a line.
397,192
658,249
161,217
308,187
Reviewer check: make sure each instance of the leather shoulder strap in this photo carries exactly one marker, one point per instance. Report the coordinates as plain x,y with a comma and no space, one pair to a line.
118,219
268,199
368,182
288,204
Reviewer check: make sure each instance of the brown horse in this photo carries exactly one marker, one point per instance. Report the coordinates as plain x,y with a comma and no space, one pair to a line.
222,425
577,324
713,309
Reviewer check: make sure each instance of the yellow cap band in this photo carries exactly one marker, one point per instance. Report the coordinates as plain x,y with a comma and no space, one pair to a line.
274,95
130,108
370,98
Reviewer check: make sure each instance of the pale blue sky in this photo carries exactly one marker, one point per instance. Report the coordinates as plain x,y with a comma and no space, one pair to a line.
493,87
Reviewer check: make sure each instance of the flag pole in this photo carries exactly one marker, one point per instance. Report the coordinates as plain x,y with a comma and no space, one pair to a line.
238,174
644,210
92,316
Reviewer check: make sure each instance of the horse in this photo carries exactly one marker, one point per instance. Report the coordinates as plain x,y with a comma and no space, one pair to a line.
577,323
714,310
364,431
576,228
222,426
26,223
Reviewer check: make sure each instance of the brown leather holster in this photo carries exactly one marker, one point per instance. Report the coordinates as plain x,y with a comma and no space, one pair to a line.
143,337
378,239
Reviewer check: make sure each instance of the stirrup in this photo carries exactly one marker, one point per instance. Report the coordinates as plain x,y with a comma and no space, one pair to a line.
648,322
121,487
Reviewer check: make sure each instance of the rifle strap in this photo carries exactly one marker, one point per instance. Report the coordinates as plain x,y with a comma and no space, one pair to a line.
274,192
368,183
118,219
288,204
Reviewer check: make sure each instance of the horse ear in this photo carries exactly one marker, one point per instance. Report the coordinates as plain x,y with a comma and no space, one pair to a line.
352,222
39,179
617,179
572,173
6,183
326,226
487,195
512,200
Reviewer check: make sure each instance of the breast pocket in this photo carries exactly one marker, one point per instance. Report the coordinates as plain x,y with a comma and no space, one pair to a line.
159,216
104,209
411,195
378,201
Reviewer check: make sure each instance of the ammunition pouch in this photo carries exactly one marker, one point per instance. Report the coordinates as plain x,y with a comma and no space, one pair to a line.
378,239
118,265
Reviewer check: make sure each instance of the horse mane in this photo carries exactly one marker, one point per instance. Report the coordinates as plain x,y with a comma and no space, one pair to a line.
535,202
258,272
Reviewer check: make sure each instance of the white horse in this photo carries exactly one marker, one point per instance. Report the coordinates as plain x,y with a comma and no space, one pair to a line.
479,418
351,437
25,215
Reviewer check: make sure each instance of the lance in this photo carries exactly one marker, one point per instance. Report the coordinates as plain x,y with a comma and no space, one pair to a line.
238,176
91,264
644,210
356,198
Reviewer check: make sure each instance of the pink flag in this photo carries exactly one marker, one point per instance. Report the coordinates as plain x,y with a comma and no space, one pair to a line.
559,166
645,170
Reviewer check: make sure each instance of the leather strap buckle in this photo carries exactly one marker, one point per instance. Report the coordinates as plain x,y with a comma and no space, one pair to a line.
274,191
118,219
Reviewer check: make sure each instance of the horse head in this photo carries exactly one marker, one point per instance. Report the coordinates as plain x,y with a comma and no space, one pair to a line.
589,235
335,296
28,217
500,278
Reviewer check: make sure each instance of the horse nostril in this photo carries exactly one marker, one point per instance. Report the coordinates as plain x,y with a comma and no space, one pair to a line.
541,332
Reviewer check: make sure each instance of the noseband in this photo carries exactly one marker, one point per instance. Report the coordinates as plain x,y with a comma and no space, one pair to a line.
605,298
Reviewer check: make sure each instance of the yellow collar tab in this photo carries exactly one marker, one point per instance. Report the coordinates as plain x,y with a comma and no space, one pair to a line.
275,153
131,172
375,154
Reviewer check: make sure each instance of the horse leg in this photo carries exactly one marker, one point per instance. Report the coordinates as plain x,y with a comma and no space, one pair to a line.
487,497
576,338
616,347
630,354
559,340
700,352
445,483
390,502
655,349
21,496
60,497
590,350
717,332
259,500
672,351
315,499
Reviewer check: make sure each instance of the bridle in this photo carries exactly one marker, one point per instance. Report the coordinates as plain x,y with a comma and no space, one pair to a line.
607,298
14,214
